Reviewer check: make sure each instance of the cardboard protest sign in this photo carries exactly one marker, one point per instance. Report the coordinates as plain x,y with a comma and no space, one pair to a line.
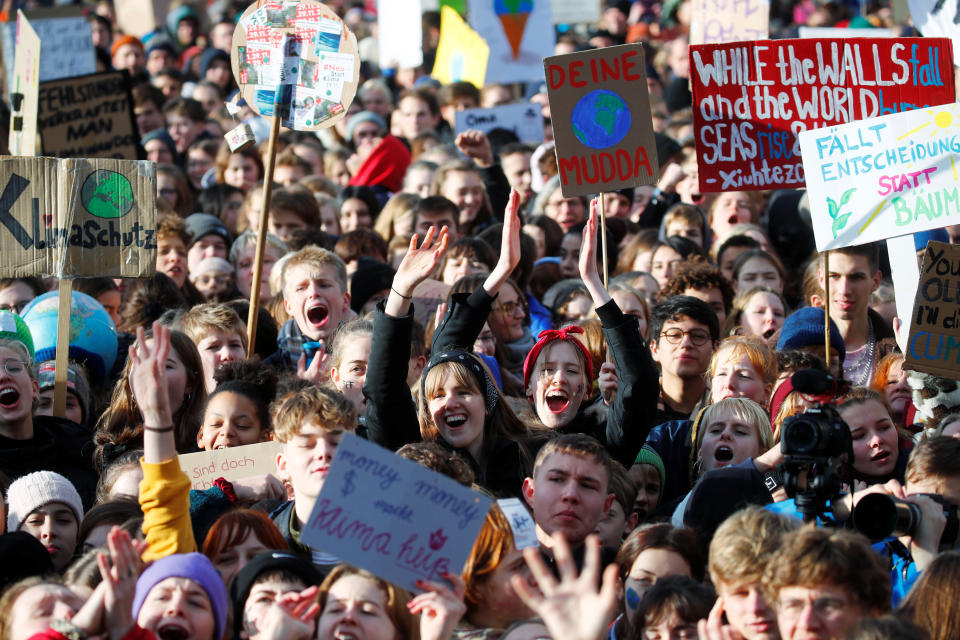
750,100
934,342
23,98
67,43
600,113
883,177
393,517
524,119
89,117
519,35
906,276
296,60
400,16
232,463
937,19
717,21
77,217
575,11
140,17
461,53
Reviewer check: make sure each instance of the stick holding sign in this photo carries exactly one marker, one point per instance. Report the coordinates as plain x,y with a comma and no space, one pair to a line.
26,83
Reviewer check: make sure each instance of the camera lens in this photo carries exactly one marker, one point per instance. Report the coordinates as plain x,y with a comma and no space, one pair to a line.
802,436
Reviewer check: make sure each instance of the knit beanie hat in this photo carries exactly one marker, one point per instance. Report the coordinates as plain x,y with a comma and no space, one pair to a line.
161,135
213,263
122,40
77,383
552,335
192,566
491,395
30,492
647,455
204,224
371,277
266,562
804,328
12,327
361,117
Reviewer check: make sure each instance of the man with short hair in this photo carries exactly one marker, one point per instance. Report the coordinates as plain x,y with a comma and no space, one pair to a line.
515,162
704,282
854,276
439,212
185,121
683,334
823,582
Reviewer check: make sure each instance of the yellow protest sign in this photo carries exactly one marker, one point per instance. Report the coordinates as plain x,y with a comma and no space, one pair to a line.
461,53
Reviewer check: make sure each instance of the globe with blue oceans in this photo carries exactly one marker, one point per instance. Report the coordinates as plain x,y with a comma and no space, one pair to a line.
600,119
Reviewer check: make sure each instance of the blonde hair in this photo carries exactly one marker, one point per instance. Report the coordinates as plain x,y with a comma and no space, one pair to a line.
248,238
759,353
355,328
317,258
212,316
743,409
744,543
398,207
328,409
687,213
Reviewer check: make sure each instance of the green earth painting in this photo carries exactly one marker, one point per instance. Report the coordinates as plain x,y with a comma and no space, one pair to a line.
600,119
107,194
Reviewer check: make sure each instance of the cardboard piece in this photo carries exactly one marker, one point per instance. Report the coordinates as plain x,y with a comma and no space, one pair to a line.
233,463
716,21
906,275
296,60
883,177
461,53
394,17
140,17
89,117
936,19
67,43
519,36
934,342
522,525
393,517
750,100
524,119
77,217
600,114
23,89
575,11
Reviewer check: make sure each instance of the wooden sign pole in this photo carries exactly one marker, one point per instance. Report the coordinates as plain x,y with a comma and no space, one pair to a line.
262,232
63,349
826,308
603,243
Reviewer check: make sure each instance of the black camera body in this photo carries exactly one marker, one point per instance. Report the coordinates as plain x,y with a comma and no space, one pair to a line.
816,434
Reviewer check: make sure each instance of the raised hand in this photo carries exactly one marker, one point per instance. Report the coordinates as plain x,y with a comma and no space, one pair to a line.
262,487
416,267
440,607
509,246
121,581
712,628
475,145
148,375
588,259
572,608
291,617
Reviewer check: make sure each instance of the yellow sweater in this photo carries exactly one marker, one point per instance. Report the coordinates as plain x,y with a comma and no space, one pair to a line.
165,500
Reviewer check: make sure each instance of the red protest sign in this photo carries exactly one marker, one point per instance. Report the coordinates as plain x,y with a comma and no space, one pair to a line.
600,113
751,99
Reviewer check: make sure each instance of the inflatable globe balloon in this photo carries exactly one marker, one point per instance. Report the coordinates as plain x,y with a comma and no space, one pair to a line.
93,338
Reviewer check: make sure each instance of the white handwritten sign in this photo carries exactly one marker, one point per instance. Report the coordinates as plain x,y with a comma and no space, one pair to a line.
391,516
575,11
525,120
729,21
67,44
883,177
232,463
935,18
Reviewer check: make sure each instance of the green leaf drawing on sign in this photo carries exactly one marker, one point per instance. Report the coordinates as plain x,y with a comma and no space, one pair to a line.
839,219
832,208
845,198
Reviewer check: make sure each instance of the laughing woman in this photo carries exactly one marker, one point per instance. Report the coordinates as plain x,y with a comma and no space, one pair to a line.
460,405
879,452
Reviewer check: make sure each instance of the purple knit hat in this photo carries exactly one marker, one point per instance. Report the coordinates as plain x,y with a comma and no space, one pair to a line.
193,566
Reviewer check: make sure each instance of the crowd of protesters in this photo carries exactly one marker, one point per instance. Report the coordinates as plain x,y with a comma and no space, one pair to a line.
433,291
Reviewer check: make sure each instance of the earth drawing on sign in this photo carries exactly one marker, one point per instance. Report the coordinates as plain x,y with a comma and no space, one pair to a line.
600,119
107,194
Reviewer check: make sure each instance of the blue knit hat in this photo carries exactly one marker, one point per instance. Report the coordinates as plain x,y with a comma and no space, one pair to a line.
192,566
804,328
921,238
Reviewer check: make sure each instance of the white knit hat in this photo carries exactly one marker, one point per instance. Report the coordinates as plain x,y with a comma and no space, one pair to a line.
34,490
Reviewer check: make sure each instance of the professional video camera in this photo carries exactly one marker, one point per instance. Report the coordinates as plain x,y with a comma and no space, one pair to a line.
816,445
880,516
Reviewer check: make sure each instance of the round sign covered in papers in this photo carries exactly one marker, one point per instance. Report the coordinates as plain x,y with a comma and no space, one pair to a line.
296,60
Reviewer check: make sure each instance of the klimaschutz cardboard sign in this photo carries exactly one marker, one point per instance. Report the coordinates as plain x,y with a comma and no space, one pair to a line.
883,177
600,114
393,517
752,99
232,463
89,117
75,218
934,342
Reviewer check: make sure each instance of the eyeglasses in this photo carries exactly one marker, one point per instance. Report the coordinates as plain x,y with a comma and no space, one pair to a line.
698,337
13,366
16,307
486,337
823,608
510,308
